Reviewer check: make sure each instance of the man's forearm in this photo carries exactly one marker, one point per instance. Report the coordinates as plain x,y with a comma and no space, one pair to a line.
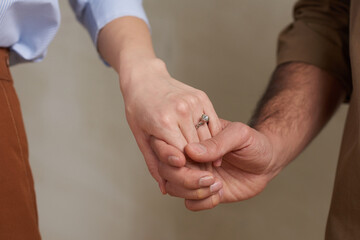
298,102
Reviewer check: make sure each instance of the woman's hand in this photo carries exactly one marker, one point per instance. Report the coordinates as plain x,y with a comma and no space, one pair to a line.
156,104
160,106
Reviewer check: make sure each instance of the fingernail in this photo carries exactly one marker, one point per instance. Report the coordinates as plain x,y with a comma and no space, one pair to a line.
215,187
200,149
173,160
206,181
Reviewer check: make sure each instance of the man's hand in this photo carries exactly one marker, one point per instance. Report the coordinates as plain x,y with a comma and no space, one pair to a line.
245,171
299,101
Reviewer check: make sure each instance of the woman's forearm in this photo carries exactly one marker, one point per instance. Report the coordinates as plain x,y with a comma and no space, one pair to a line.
124,43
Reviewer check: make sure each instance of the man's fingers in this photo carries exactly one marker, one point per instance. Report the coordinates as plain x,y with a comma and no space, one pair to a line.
186,177
208,203
233,137
166,153
204,134
192,194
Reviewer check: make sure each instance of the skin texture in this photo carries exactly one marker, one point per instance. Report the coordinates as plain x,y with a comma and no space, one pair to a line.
298,102
156,104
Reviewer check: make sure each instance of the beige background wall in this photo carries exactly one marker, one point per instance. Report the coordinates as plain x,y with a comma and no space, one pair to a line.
90,178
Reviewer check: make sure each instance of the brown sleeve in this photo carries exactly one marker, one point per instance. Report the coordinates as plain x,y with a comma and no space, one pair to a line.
319,36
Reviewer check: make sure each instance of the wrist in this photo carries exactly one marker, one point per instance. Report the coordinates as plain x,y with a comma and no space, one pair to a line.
280,152
135,71
130,57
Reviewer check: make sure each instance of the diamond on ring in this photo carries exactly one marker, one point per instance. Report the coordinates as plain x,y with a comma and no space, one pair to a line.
204,119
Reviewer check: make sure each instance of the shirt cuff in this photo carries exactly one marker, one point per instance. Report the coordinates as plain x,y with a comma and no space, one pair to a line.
95,14
96,19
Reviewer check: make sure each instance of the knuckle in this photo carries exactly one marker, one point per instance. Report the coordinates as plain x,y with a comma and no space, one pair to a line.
202,95
165,120
240,127
243,130
182,108
192,99
237,126
246,131
159,63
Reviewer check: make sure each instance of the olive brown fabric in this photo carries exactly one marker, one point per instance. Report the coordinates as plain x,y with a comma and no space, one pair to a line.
326,33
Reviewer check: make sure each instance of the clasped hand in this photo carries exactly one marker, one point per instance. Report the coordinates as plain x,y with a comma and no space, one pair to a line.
245,171
162,113
160,106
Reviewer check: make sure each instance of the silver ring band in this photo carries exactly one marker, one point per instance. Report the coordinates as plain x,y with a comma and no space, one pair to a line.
204,119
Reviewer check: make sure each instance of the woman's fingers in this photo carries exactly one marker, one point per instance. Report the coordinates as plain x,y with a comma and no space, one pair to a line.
214,122
203,132
207,203
152,163
192,194
188,129
167,153
186,177
190,111
184,182
215,127
170,132
185,109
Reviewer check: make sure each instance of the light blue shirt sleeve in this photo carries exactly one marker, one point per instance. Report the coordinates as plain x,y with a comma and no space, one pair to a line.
95,14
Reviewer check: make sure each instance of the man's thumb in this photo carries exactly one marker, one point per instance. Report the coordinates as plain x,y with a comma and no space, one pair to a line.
231,138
